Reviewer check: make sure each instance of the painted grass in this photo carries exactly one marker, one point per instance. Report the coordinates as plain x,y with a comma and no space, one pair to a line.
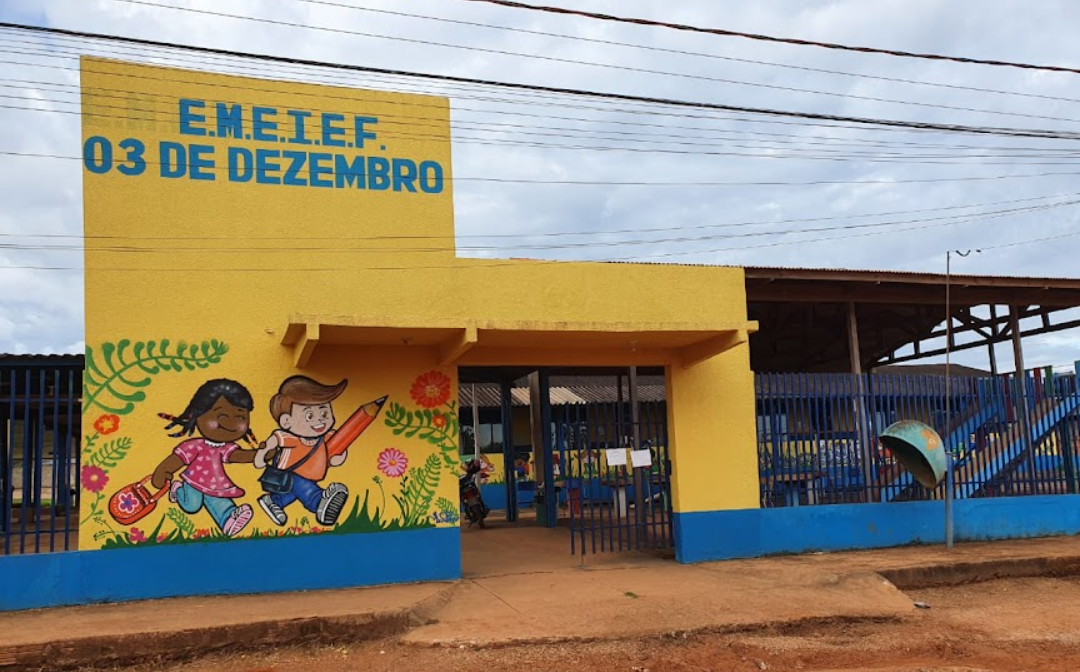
360,520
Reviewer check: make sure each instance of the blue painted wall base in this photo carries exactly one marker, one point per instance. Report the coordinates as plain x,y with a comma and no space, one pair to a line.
224,568
748,533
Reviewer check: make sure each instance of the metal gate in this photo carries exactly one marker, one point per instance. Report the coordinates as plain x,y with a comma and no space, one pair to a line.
614,505
40,409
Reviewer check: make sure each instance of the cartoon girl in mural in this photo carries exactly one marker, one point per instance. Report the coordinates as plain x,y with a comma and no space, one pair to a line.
221,412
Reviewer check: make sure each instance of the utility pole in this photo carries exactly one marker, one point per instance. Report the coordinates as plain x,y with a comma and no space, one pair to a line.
948,396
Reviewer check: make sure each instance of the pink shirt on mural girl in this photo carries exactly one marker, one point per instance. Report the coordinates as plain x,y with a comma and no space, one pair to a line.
205,471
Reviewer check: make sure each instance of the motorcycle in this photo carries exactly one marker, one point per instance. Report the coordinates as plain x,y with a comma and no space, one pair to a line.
472,501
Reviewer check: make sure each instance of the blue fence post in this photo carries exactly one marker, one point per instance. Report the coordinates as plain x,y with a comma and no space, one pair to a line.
506,402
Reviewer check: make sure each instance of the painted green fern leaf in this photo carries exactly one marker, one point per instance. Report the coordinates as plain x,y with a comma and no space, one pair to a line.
110,453
116,375
182,522
418,490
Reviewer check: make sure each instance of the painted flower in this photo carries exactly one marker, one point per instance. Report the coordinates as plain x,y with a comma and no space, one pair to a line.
162,537
94,479
199,534
127,502
439,420
393,462
431,389
136,536
107,424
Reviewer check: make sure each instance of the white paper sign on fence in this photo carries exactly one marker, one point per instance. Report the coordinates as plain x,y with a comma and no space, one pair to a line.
641,458
616,457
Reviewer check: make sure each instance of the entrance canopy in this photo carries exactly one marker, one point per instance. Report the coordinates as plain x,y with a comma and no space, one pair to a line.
810,317
511,343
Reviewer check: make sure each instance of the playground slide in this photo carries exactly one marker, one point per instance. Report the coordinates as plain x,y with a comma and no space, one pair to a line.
1043,419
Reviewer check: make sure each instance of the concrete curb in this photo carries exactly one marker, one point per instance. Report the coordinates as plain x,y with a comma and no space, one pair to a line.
962,573
790,627
189,644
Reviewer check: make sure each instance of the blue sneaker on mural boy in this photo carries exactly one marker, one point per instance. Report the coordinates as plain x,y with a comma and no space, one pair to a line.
302,408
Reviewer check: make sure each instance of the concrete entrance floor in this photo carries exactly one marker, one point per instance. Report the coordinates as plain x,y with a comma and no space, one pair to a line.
521,584
523,547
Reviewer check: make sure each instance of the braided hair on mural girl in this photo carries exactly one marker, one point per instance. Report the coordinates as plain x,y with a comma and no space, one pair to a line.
203,400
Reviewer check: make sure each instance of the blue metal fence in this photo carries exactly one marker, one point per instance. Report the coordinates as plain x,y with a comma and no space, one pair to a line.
1010,435
40,410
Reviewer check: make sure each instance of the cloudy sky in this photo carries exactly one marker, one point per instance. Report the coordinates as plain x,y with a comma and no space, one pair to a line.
913,195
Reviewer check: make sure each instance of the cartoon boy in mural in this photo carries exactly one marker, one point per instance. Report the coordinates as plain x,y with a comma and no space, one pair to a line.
220,411
302,408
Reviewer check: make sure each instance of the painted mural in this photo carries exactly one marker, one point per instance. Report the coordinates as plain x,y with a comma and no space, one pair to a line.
244,203
223,467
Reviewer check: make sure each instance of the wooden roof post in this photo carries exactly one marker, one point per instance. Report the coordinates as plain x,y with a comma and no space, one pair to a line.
1021,379
993,340
862,424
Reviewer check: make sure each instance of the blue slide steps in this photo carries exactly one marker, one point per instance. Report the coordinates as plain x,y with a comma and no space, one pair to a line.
1042,420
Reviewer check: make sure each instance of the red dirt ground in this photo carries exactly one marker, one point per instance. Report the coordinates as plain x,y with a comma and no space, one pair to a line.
1013,625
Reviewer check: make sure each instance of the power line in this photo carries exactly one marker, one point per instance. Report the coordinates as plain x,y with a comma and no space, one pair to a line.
833,238
951,128
771,38
645,183
684,52
545,234
851,149
592,245
479,264
804,138
844,151
770,153
1031,241
292,249
595,64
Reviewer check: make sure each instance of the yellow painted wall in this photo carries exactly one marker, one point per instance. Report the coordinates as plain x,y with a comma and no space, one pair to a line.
220,265
224,264
711,425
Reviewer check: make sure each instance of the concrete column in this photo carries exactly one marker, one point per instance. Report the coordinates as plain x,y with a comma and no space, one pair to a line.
543,443
712,442
509,453
475,424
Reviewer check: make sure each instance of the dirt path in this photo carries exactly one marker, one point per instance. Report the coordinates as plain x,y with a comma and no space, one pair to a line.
1023,624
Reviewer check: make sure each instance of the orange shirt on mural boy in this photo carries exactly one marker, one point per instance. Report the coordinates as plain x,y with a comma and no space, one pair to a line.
293,449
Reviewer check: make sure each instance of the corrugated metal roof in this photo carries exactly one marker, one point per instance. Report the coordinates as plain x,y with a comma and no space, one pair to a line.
74,360
878,273
490,396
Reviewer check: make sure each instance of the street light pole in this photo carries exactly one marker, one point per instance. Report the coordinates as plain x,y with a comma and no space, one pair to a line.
948,396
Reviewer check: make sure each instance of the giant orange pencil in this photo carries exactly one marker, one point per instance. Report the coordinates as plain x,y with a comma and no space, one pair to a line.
360,420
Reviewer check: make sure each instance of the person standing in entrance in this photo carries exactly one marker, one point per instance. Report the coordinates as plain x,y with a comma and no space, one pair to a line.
302,408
